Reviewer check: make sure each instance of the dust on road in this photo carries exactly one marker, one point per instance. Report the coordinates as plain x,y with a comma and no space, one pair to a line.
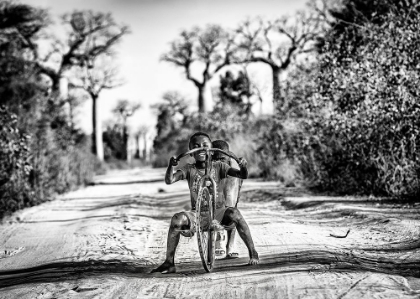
103,240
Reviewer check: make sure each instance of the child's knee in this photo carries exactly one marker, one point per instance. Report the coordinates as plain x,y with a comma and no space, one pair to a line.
232,215
179,220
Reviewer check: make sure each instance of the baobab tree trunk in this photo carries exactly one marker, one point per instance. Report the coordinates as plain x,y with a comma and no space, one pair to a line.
71,116
145,151
125,140
97,145
94,126
277,100
201,98
137,145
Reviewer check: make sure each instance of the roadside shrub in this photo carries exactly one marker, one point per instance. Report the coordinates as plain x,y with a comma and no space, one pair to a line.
371,115
287,147
62,170
37,166
287,152
61,158
15,190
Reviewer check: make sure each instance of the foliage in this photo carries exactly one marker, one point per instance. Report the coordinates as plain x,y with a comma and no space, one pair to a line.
46,160
61,157
235,93
115,136
351,16
370,122
20,25
123,110
172,127
285,147
114,145
15,190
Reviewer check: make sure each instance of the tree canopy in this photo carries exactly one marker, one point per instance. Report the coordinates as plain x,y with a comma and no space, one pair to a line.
201,52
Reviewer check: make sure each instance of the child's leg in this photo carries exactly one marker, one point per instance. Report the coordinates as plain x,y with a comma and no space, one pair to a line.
230,248
231,237
220,243
233,216
179,222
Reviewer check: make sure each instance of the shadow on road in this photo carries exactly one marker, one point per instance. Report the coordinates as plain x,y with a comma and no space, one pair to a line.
304,260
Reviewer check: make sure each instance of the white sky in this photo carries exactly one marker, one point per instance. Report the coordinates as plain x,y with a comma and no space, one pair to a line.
154,24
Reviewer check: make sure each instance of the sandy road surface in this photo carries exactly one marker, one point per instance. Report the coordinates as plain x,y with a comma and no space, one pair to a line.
102,242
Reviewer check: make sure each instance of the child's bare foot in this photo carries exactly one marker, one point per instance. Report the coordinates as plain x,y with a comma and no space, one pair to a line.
231,252
165,268
232,255
254,259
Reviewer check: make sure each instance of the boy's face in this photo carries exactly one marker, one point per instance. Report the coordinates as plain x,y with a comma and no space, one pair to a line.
197,142
222,158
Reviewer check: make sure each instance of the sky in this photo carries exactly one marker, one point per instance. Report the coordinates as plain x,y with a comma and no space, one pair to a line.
154,24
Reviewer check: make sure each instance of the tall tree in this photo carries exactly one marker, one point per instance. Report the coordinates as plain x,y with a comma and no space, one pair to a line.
171,127
20,26
125,109
277,43
99,76
172,113
90,34
52,143
204,51
141,136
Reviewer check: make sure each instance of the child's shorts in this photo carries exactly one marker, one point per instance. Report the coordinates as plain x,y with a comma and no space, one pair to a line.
191,217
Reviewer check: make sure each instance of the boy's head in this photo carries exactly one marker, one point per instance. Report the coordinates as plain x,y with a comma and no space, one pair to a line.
198,140
224,146
198,135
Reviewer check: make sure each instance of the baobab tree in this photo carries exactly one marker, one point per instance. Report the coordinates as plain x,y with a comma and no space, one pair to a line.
90,34
172,114
100,76
277,43
21,26
125,109
141,135
204,51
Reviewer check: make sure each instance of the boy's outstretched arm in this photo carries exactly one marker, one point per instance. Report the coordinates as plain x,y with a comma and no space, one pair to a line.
242,173
170,176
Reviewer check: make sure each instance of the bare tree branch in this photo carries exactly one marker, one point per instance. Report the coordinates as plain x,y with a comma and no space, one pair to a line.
209,48
91,34
278,42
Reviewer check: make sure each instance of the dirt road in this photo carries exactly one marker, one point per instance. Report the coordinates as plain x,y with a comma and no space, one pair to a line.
103,240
